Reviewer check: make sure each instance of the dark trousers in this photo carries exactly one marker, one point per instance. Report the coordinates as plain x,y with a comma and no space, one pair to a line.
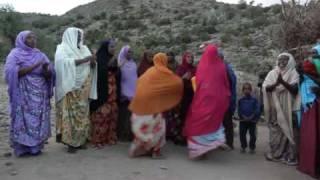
124,132
244,128
228,126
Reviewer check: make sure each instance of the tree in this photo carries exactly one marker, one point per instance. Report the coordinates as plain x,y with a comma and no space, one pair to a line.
11,23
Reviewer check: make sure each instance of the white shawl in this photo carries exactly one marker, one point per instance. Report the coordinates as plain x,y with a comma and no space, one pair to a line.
70,77
273,100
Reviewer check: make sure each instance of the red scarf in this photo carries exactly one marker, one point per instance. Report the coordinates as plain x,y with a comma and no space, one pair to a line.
212,97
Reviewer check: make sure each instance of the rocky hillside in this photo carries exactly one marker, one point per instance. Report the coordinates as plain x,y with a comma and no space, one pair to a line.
248,33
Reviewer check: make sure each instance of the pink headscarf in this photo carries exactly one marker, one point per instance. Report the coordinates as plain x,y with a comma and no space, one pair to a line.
212,97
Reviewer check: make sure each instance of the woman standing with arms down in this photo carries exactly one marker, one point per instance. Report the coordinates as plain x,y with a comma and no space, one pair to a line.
30,79
104,110
203,128
76,83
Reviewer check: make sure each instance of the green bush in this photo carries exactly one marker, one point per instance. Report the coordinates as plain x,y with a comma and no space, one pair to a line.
163,22
226,38
246,41
242,4
41,24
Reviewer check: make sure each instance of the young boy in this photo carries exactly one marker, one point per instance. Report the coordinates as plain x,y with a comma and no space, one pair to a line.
249,114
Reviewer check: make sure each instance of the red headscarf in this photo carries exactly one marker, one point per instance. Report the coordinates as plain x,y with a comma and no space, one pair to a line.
309,68
212,97
185,66
145,64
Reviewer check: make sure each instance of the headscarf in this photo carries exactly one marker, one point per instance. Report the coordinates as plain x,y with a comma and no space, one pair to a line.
20,57
212,97
103,60
158,89
185,66
128,74
69,76
273,100
145,64
289,73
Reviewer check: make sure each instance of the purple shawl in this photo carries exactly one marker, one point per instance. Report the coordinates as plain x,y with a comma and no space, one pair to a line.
128,74
24,92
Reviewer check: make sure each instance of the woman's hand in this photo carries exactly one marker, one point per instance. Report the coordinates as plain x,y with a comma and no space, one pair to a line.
93,61
27,70
187,75
46,71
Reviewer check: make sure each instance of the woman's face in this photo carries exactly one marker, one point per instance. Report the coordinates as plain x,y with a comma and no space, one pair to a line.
129,54
112,48
31,40
149,57
189,58
79,39
283,62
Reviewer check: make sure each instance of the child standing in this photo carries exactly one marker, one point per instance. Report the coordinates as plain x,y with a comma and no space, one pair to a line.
249,114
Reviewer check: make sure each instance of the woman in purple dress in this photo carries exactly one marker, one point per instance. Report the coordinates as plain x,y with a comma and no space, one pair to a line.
30,79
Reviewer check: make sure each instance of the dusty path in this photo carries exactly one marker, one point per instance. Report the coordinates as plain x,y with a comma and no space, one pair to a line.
112,163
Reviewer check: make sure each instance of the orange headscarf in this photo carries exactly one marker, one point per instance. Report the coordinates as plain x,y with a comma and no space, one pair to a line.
158,89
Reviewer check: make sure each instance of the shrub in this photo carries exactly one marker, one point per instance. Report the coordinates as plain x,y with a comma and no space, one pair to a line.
246,41
41,24
226,38
242,4
79,17
163,22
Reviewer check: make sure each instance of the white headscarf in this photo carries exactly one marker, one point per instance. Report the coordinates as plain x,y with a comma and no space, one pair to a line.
69,76
281,99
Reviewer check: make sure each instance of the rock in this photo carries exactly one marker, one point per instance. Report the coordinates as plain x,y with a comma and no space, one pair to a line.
7,154
136,172
163,168
8,163
13,173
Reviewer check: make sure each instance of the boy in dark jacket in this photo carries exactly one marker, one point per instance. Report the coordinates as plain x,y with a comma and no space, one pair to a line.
249,114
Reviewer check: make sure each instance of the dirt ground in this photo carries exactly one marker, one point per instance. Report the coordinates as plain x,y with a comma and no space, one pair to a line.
113,163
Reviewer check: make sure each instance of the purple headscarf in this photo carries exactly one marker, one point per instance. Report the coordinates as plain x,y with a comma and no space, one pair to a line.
19,57
129,74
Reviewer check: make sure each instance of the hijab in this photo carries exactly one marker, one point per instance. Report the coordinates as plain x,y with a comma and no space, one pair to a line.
70,76
103,60
19,57
186,66
158,89
128,74
145,64
212,96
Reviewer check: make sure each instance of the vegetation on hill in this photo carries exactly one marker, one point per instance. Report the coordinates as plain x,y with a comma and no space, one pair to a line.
248,33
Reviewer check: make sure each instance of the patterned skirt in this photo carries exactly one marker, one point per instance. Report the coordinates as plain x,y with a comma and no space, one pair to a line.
72,117
200,145
104,120
149,132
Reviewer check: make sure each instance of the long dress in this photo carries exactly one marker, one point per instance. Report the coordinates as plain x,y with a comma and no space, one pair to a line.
149,131
104,120
158,90
309,151
72,117
29,99
176,117
76,84
309,147
203,128
279,106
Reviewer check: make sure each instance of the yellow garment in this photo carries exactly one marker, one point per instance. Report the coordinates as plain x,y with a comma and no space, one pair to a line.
158,89
193,82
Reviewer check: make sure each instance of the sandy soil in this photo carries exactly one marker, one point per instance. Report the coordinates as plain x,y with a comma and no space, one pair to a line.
112,163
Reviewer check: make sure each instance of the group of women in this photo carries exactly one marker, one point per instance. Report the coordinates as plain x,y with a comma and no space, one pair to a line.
103,98
291,103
